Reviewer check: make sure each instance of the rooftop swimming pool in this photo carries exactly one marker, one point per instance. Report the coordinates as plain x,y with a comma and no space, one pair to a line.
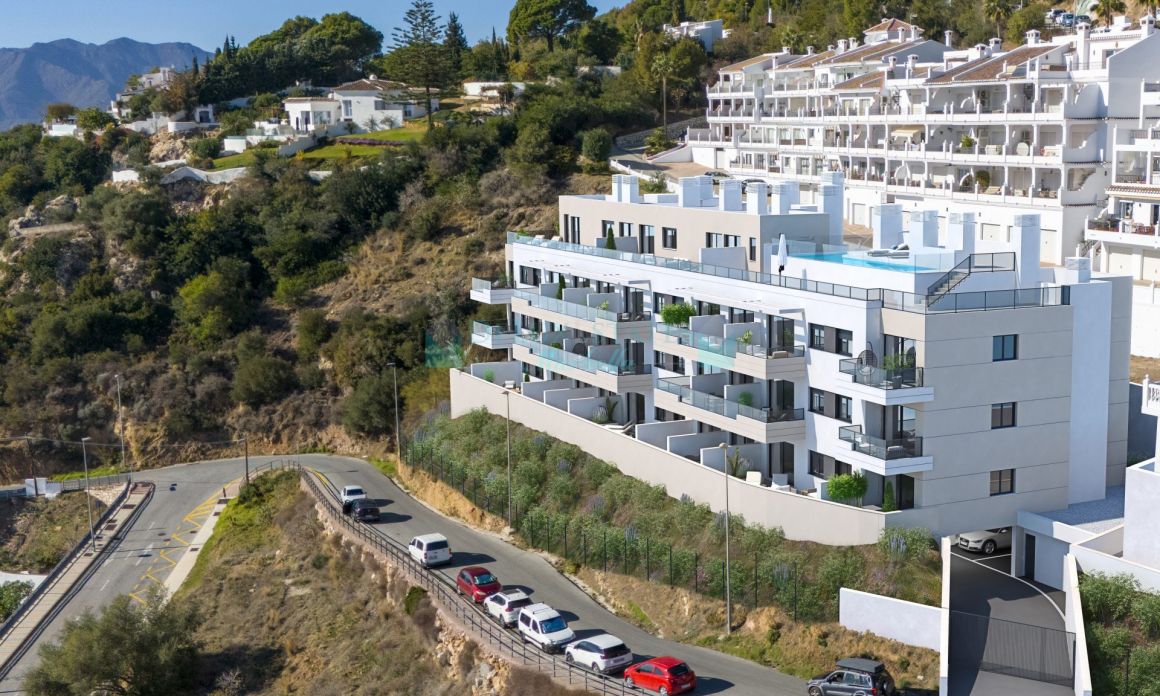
904,265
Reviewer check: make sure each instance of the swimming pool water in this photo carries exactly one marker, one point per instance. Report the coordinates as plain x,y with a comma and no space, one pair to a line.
903,265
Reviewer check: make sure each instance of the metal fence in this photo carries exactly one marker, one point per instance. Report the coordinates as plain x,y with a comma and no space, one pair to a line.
1011,648
472,618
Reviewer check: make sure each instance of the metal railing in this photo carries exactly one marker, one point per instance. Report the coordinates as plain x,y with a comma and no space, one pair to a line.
577,310
498,284
440,589
975,263
878,447
580,362
728,347
891,299
488,329
883,378
724,407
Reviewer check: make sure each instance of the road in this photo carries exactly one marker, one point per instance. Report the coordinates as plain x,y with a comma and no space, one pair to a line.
403,518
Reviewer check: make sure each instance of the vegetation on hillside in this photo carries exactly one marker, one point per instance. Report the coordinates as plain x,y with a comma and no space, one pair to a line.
1123,634
36,534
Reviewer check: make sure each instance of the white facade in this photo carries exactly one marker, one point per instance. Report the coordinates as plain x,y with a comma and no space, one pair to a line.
708,32
361,106
911,121
962,380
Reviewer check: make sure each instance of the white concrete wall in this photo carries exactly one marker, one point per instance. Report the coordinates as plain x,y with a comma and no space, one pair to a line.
944,638
1142,514
1146,321
657,434
558,398
906,622
1090,365
535,390
508,370
1073,622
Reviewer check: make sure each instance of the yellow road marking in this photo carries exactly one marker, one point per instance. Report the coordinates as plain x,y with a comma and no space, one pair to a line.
163,562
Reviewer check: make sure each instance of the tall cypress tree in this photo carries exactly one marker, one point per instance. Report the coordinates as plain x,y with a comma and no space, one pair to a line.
455,41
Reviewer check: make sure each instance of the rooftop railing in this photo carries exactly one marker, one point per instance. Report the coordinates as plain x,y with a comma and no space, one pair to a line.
890,299
880,448
880,377
724,407
580,362
575,309
728,347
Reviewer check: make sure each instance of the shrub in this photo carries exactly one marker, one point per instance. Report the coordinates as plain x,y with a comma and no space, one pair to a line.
847,487
678,313
1107,598
415,595
206,148
657,141
489,375
745,398
262,380
370,408
889,504
904,543
595,145
313,331
1146,611
11,595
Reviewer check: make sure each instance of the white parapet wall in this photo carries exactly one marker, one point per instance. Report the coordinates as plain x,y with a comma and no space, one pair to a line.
944,638
906,622
1073,622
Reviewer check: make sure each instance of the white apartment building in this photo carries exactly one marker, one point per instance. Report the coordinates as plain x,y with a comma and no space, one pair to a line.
708,32
1125,231
911,121
965,382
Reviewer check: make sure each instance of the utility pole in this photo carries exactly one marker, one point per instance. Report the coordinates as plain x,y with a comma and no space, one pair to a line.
508,402
88,494
121,427
246,445
728,589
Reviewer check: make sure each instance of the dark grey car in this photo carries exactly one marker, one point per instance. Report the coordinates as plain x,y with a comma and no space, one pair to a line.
855,676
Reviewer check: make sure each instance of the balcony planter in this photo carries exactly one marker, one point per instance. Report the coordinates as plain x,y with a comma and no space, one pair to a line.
678,314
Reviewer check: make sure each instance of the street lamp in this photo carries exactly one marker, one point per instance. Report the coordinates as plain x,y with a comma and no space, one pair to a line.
246,445
508,404
121,425
88,494
398,435
728,589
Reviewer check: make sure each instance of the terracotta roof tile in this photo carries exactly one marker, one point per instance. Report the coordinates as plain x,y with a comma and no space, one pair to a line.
867,81
870,52
747,63
993,68
369,85
809,60
889,25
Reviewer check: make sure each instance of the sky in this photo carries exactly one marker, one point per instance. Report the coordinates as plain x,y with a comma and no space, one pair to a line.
205,23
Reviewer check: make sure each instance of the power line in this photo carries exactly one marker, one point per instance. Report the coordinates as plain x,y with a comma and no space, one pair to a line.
90,443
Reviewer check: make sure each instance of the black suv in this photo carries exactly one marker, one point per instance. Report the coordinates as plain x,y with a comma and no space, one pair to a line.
855,676
364,511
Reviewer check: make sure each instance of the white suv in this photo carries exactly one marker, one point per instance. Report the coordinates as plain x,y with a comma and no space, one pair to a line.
504,606
350,494
542,625
602,653
430,549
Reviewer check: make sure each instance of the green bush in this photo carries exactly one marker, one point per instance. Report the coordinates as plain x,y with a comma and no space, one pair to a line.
902,544
1146,611
370,408
411,601
11,595
595,146
206,148
1107,598
313,331
262,380
847,487
889,504
678,313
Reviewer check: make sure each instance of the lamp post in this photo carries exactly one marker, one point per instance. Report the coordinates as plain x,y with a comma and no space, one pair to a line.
398,434
728,589
88,494
246,446
121,426
508,404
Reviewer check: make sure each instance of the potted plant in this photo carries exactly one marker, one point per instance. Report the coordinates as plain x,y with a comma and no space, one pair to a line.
735,464
745,398
678,313
609,240
889,504
847,488
966,144
745,338
603,306
896,366
489,375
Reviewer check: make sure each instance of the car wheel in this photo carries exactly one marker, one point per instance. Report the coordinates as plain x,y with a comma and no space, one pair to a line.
815,691
628,683
663,691
989,547
568,658
595,668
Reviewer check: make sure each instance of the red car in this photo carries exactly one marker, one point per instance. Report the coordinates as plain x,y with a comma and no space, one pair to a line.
478,583
665,675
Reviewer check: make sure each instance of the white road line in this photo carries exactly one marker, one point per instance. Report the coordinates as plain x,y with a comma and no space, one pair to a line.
106,584
1005,574
146,554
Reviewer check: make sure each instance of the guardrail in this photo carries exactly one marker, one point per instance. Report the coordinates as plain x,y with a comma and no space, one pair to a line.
471,617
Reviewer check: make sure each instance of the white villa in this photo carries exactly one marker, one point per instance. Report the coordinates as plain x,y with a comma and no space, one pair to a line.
708,32
361,106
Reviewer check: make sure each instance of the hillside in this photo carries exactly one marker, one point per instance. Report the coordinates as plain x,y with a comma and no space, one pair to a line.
77,73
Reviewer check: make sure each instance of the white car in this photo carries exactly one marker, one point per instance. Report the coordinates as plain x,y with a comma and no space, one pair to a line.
542,625
601,653
504,606
350,494
987,541
430,549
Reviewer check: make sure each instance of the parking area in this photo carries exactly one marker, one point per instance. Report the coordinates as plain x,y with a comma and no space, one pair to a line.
997,618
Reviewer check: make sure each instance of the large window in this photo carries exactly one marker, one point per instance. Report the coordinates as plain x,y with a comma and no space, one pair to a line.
716,240
817,464
347,111
1004,347
817,336
648,239
1003,415
845,408
607,227
753,248
669,237
817,401
1002,482
845,342
626,229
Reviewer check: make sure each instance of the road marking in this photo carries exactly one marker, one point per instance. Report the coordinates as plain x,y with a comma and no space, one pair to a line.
144,555
1006,574
163,562
106,584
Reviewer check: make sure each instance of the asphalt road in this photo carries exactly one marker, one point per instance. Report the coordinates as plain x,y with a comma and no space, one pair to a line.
122,571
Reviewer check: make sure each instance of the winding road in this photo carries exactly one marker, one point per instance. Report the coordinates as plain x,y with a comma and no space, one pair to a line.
150,547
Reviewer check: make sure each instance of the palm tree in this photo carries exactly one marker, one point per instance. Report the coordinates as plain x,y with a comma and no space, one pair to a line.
1106,10
997,11
662,68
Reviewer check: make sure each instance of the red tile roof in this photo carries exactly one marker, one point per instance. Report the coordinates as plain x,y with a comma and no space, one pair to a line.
993,68
370,85
868,81
891,25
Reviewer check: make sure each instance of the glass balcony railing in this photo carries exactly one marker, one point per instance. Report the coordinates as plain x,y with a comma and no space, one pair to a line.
728,347
580,362
730,409
484,284
487,329
574,309
895,378
891,299
880,448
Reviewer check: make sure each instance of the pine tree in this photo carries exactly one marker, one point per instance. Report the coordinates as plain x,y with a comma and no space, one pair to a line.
455,41
419,57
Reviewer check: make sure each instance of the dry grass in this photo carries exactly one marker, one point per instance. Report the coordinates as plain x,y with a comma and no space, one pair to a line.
1138,367
445,499
36,534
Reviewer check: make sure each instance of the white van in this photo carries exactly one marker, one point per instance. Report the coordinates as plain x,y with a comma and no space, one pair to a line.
542,625
430,549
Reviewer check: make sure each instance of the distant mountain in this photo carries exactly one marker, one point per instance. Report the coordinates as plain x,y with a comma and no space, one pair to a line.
78,73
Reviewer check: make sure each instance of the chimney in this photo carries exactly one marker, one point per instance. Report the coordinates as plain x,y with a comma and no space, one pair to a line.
757,199
1032,37
852,42
830,200
809,50
830,48
913,33
631,188
842,45
961,232
995,44
783,194
886,225
923,232
911,64
893,63
1025,239
1148,24
730,198
949,38
617,190
689,192
785,49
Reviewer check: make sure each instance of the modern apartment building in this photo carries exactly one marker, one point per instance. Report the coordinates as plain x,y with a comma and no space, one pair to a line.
1125,231
912,121
962,380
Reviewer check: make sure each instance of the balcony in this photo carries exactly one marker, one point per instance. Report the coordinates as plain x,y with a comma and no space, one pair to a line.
594,320
493,336
492,292
614,374
761,424
1123,231
885,456
755,360
1151,397
886,386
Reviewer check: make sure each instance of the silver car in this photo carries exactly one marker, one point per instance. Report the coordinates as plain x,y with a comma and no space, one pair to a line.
987,541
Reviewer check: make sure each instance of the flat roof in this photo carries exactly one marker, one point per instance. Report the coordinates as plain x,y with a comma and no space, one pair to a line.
1094,516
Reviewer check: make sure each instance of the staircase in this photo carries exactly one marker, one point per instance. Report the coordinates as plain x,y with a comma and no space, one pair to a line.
949,280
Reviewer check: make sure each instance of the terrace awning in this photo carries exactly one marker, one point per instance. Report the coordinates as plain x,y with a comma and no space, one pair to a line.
905,131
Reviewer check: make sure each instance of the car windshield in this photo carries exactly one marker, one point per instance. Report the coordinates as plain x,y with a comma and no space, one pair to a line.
615,650
518,603
678,670
354,491
436,545
484,579
552,625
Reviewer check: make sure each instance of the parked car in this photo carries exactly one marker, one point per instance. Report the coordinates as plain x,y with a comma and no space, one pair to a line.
364,510
600,653
542,625
664,675
855,676
350,494
477,583
988,541
504,606
430,549
1082,19
1066,19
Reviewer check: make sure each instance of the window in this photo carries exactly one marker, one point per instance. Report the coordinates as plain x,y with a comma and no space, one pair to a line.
753,248
669,237
380,105
575,230
648,239
626,229
818,401
845,342
817,336
1002,482
841,468
347,111
716,240
1004,348
606,227
817,464
1003,415
845,408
